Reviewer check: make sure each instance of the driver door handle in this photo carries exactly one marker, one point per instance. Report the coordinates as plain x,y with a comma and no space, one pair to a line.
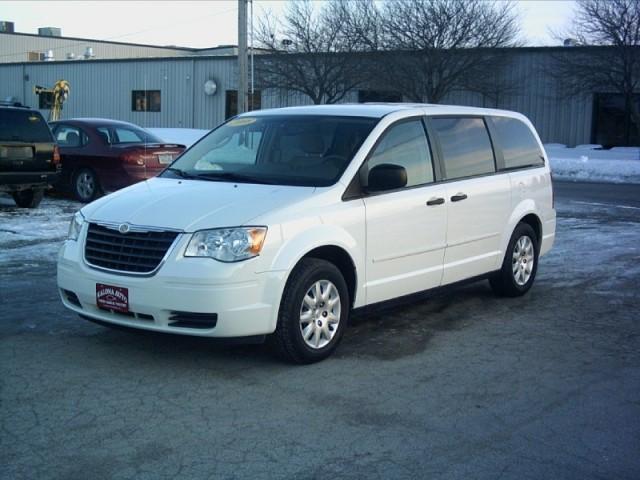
458,197
435,201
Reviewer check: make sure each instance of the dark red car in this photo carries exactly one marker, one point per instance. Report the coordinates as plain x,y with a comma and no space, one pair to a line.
101,155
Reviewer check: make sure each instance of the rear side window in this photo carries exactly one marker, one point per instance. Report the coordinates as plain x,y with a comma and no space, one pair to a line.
466,147
23,126
519,146
405,144
70,136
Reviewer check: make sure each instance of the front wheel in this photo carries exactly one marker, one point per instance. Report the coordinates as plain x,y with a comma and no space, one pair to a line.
314,311
28,198
520,263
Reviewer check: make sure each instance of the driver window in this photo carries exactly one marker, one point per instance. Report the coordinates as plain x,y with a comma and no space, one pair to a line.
404,144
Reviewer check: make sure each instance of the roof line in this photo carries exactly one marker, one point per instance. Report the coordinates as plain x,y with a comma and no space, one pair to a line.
190,49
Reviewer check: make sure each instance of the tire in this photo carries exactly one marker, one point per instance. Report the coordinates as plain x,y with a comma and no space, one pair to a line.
85,186
28,198
322,327
520,264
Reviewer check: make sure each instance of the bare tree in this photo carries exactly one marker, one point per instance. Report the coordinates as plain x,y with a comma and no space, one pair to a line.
433,47
607,58
308,53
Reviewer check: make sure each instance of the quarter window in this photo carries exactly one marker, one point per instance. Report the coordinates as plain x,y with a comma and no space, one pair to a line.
466,147
519,146
405,144
70,136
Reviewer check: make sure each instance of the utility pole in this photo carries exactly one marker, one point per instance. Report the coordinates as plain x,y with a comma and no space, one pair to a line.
242,56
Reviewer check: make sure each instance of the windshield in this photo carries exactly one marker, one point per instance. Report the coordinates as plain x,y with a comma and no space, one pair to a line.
23,126
284,150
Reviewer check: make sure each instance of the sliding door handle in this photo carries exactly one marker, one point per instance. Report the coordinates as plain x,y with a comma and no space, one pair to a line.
458,197
435,201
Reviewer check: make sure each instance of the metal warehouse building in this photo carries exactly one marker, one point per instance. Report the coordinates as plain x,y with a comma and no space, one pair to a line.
165,86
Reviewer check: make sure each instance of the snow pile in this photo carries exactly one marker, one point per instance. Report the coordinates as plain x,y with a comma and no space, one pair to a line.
29,237
182,136
591,163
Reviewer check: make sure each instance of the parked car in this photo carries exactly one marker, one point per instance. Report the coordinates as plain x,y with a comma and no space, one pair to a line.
29,157
101,155
280,222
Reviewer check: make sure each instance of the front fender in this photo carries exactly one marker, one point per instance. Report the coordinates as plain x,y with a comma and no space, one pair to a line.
295,247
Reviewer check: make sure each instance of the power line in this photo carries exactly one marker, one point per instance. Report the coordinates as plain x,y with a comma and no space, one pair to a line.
172,24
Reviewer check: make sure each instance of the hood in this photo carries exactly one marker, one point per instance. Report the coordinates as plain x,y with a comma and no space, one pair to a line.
191,205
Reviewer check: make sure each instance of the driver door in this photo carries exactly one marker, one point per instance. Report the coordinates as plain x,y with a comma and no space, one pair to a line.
405,227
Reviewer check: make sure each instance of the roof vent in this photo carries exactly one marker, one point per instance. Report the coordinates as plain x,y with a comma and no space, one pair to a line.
88,53
6,27
71,56
48,56
50,32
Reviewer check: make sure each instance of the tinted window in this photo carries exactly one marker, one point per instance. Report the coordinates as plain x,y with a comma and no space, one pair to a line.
405,144
23,126
519,146
311,150
70,136
466,147
127,136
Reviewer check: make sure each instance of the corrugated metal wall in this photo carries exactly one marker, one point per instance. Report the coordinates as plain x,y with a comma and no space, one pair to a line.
103,89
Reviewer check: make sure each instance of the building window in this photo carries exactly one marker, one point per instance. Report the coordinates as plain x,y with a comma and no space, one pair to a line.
613,124
366,96
231,102
45,100
145,100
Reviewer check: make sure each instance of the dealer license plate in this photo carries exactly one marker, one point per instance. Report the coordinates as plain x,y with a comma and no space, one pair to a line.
113,298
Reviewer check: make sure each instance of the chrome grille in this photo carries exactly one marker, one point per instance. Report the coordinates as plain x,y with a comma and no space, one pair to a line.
134,252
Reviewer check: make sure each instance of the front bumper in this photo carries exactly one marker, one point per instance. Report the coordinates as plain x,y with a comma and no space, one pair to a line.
246,303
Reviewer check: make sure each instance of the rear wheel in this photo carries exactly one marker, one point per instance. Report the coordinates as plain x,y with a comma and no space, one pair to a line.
85,185
28,198
520,263
314,311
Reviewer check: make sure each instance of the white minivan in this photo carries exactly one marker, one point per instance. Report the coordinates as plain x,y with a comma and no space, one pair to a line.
279,223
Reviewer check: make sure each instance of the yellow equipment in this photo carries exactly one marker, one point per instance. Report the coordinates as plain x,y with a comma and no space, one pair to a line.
60,93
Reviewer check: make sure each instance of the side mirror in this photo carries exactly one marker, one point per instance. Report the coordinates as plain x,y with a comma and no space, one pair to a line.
386,177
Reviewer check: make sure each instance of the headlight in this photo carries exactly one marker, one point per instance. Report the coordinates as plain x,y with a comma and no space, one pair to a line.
75,226
227,244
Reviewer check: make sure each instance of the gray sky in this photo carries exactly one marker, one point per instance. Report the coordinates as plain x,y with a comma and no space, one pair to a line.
205,23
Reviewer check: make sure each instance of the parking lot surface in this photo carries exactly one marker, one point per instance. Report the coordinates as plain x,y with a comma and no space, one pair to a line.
458,385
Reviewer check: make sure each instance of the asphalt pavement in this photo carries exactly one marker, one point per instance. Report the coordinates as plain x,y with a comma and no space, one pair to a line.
458,385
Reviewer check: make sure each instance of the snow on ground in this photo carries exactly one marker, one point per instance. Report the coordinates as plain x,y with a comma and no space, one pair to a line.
590,163
29,237
182,136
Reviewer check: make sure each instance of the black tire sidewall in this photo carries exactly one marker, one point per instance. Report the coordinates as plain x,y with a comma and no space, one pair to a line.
28,198
305,275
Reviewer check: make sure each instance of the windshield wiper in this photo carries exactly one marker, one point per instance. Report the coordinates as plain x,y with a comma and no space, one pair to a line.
232,177
180,173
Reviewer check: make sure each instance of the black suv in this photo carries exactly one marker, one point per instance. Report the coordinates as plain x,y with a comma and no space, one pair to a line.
29,157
